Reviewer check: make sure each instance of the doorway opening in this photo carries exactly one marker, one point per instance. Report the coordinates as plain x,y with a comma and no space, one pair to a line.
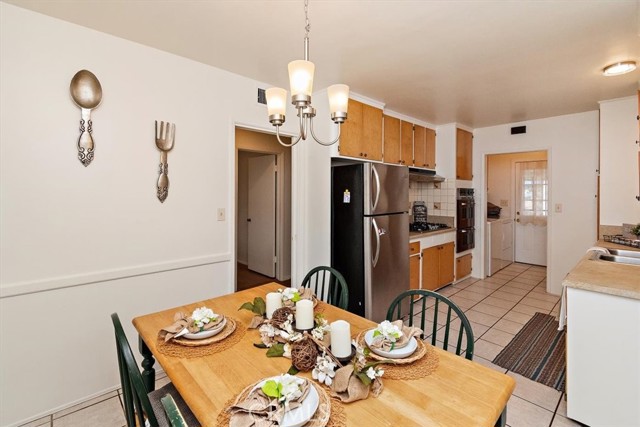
517,209
263,210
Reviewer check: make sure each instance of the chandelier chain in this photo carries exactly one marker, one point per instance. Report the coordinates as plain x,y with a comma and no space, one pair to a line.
307,26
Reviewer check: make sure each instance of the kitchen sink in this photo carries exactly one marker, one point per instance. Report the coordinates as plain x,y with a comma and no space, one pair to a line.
632,260
625,253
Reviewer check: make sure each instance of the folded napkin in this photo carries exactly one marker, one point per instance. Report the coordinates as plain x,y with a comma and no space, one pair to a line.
260,410
182,321
305,293
347,387
385,344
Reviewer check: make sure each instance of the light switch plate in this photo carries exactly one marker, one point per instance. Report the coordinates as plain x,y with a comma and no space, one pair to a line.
504,203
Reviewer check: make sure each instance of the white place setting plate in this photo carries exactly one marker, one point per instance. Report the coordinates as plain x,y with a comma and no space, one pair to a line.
208,333
396,353
301,415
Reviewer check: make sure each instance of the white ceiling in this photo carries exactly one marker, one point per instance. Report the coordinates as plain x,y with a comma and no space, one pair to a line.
478,63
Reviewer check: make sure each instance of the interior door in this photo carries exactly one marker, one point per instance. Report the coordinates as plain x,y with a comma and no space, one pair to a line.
531,214
261,251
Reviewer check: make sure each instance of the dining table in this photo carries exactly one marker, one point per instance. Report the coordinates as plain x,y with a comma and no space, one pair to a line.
459,392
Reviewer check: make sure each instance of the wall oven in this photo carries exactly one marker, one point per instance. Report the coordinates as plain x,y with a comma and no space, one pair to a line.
465,220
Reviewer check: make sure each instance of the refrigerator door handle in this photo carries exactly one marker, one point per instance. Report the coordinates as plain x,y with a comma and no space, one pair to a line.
376,177
376,232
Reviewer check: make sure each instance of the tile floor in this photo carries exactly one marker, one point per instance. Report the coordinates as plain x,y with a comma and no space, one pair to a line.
497,308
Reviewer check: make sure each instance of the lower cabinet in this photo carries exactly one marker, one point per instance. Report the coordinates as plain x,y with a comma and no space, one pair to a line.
437,266
463,266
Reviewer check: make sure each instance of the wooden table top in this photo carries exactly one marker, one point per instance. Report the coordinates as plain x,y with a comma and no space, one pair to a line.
459,393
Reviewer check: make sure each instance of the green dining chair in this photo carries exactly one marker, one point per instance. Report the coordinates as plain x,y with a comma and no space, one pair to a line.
161,408
328,285
416,304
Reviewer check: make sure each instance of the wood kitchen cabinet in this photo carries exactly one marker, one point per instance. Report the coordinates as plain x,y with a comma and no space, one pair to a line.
406,143
392,149
424,147
437,266
464,155
414,265
463,266
361,134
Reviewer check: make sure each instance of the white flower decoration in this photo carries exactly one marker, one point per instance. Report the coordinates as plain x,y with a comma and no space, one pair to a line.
203,315
290,294
290,388
324,371
388,330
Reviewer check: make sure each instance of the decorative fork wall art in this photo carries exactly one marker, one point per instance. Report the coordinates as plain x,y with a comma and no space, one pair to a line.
165,135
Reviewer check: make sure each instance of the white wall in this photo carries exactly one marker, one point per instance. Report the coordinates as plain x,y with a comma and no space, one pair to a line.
571,142
80,243
619,162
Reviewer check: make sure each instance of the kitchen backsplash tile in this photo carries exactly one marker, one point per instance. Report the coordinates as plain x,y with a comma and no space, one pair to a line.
443,193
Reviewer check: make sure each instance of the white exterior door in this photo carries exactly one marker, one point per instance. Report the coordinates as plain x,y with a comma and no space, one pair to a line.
532,198
261,251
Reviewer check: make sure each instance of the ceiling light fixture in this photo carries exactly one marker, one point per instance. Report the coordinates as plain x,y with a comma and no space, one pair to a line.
619,68
301,83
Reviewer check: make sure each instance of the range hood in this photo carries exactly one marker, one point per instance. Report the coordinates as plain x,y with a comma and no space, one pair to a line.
424,175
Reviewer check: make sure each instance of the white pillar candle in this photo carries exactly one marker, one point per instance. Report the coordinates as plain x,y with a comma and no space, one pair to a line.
274,302
304,314
341,338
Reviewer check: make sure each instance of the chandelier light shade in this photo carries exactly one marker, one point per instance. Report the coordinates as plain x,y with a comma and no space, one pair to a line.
619,68
276,104
301,78
301,74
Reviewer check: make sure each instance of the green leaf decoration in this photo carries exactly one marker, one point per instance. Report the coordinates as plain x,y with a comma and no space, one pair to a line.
272,389
364,378
246,306
393,345
296,298
259,306
376,333
292,370
276,350
260,345
379,362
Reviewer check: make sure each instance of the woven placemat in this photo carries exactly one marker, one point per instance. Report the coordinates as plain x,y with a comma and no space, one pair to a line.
330,411
230,335
422,363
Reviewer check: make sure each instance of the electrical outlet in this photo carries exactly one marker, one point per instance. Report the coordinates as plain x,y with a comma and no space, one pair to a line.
436,205
220,214
558,208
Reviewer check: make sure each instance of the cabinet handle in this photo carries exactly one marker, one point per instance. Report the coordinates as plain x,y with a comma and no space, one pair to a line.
361,154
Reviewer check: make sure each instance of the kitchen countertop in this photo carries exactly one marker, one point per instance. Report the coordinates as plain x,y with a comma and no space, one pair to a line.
420,234
605,277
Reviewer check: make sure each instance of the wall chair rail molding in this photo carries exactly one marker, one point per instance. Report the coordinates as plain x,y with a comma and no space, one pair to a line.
30,287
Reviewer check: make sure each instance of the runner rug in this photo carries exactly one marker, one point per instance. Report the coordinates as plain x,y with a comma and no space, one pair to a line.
537,352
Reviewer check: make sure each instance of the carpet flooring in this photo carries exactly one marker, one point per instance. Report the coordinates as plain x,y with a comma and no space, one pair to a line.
537,352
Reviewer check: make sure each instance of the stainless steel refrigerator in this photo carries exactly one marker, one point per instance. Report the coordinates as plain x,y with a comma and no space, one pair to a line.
370,234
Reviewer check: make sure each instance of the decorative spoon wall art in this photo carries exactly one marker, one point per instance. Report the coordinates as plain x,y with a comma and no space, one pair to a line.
165,135
86,93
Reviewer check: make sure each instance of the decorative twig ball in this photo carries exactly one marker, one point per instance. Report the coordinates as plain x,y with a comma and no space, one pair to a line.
280,315
304,354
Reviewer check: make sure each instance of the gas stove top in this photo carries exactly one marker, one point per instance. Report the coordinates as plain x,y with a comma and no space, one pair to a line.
427,226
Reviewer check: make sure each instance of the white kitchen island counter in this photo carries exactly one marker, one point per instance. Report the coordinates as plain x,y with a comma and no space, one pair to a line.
603,343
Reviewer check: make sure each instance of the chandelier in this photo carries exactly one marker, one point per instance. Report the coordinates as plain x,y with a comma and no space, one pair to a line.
301,84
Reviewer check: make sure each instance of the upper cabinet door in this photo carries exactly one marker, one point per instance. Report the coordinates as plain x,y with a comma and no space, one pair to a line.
406,143
351,131
392,151
464,155
371,132
430,144
361,134
419,147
